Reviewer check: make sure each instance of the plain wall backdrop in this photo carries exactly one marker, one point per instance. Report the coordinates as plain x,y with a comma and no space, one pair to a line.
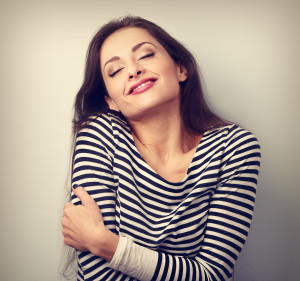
248,52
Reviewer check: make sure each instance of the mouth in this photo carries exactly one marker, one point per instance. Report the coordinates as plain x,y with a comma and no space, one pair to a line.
141,86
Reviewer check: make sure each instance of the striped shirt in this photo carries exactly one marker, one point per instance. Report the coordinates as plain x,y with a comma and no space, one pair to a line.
196,227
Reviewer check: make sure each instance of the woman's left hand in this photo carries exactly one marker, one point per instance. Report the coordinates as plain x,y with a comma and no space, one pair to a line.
84,229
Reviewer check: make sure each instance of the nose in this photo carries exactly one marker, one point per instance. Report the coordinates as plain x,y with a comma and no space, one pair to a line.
135,75
135,71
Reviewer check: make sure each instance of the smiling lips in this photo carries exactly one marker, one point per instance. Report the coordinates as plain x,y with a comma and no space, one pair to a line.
141,86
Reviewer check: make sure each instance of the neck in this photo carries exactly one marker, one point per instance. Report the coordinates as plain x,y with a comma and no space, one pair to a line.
163,133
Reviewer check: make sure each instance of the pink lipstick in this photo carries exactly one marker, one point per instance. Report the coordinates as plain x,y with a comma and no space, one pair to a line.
141,86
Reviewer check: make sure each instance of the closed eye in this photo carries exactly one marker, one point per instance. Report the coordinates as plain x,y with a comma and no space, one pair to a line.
115,72
147,56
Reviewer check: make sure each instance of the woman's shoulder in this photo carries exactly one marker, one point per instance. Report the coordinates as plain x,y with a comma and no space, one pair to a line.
231,131
107,122
234,135
101,130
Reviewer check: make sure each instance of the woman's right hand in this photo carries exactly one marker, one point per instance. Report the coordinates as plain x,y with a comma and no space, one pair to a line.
84,229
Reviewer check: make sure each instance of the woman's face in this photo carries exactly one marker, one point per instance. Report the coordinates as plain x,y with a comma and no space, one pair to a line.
140,76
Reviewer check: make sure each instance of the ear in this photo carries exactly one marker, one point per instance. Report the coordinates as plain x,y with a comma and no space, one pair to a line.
111,104
181,72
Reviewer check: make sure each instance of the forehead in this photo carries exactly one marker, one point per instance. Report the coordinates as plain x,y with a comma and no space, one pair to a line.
123,40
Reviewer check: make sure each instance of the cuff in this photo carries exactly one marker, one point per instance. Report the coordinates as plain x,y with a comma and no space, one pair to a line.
134,260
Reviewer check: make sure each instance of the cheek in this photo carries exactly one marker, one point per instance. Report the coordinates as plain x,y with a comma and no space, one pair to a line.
169,70
171,78
111,88
115,90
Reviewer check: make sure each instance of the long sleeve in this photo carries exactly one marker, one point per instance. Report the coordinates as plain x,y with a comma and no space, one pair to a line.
92,169
92,166
228,222
134,260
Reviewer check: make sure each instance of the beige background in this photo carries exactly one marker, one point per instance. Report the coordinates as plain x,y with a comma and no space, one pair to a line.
249,55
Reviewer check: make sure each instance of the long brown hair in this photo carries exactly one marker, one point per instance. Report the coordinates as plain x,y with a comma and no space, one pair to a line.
90,100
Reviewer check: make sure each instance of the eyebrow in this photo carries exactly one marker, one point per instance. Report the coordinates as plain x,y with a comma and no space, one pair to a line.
133,49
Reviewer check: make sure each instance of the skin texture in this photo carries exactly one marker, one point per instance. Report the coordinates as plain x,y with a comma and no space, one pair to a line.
128,58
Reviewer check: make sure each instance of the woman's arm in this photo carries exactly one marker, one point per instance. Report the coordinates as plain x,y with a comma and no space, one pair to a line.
92,170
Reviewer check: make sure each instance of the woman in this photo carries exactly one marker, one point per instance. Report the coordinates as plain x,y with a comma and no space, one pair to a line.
163,189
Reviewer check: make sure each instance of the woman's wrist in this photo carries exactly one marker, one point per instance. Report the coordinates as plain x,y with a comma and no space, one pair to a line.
104,244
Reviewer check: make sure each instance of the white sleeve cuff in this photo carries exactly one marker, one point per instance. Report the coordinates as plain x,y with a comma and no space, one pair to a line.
134,260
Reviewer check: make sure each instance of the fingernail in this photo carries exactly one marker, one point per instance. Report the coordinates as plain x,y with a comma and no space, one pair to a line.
75,186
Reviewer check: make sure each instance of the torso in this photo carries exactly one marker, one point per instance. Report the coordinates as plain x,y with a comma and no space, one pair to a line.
170,218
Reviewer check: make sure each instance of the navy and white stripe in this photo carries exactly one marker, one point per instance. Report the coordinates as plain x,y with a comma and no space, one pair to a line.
198,226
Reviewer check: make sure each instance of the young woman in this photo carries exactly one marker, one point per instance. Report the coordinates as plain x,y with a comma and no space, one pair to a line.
163,189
